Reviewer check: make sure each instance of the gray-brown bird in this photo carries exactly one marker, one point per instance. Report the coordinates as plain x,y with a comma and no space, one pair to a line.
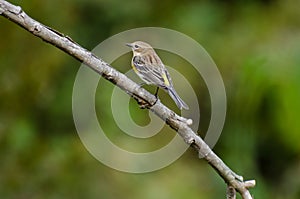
149,67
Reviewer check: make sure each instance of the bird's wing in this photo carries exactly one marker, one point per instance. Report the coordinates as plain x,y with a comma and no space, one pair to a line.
150,73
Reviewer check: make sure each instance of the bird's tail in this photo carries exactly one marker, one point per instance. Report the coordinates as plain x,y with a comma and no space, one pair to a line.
179,102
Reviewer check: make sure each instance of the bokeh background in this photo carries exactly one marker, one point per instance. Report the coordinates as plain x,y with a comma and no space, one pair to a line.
256,46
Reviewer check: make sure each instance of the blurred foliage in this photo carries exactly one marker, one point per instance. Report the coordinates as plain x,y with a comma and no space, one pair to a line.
256,47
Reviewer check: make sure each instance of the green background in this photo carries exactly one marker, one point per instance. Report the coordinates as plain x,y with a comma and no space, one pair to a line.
256,46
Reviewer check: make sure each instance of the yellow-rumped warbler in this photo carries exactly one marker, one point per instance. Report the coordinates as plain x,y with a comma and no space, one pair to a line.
148,66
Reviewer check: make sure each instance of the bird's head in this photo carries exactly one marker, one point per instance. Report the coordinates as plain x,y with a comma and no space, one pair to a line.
139,47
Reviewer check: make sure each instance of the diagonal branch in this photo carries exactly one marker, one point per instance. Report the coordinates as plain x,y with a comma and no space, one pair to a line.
144,98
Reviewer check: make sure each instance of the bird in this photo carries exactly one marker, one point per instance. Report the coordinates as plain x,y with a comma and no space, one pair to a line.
149,67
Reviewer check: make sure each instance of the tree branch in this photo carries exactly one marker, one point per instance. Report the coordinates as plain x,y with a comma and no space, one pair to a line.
143,97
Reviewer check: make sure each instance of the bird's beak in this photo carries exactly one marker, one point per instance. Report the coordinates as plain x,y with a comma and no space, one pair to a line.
129,45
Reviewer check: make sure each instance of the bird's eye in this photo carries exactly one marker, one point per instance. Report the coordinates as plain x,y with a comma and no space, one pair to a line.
136,46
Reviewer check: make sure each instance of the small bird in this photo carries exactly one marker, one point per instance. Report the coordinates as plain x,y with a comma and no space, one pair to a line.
148,66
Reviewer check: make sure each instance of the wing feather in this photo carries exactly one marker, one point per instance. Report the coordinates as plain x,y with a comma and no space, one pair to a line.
150,73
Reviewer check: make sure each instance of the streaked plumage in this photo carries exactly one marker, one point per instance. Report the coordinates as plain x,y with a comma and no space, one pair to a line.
148,66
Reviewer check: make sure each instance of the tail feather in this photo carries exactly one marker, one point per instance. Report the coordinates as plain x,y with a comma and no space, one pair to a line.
179,102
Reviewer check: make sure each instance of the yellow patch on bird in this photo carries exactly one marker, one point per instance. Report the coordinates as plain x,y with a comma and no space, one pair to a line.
166,81
134,68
